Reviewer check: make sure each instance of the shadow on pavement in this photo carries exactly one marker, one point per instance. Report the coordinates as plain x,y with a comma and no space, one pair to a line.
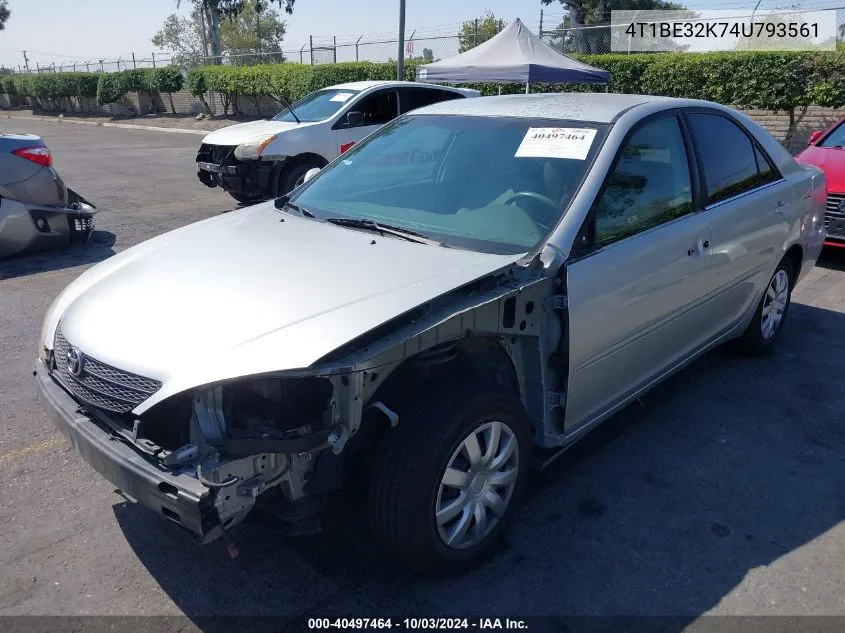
663,510
832,257
96,249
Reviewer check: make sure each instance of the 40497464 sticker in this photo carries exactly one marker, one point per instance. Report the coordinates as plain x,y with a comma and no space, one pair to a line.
556,142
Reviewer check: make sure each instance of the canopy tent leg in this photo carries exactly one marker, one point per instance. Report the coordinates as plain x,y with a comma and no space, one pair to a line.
500,91
527,89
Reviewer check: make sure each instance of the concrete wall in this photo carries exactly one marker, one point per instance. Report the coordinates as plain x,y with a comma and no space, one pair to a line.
807,119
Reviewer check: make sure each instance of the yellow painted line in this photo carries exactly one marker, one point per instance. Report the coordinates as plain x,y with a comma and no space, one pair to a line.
58,440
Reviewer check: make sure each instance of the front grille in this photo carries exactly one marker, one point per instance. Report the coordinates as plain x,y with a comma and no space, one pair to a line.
215,154
832,210
102,385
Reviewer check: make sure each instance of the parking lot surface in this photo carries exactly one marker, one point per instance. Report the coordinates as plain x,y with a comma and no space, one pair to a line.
722,491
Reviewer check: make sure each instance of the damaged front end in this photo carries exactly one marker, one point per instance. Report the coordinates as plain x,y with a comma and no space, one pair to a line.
203,458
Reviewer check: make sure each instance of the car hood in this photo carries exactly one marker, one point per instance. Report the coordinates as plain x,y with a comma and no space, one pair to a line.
831,161
247,293
240,132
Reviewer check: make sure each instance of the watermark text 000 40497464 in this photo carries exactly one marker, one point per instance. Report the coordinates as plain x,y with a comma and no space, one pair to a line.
703,31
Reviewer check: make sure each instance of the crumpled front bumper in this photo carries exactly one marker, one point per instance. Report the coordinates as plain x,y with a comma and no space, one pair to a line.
179,497
26,227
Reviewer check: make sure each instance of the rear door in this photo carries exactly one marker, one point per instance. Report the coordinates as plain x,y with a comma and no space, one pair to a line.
636,288
418,97
747,199
376,108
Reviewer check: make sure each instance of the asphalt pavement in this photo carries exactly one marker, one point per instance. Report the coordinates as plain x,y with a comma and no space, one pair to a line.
721,492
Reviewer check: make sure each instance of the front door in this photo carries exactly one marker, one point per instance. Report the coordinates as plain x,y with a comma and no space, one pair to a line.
375,109
637,296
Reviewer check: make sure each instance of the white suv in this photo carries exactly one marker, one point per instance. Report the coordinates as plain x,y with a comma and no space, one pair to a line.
263,159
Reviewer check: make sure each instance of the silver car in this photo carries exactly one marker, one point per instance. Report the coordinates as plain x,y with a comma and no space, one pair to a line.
450,303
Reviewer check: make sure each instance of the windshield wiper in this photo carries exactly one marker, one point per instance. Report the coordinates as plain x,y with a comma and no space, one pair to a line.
371,225
296,207
290,109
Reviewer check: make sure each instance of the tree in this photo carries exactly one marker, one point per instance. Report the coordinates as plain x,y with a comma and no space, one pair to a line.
184,37
239,35
474,32
428,55
597,12
212,12
761,36
256,29
4,14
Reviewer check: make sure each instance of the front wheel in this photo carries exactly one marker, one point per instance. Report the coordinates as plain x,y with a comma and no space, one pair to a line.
293,176
767,323
244,199
448,478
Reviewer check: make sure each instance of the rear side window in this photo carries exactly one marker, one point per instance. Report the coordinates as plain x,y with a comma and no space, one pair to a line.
420,97
732,164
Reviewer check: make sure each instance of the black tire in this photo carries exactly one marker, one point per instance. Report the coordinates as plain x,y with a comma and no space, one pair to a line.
753,341
244,199
293,175
412,461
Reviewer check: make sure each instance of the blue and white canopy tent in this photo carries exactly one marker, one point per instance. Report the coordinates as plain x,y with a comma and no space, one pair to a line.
515,55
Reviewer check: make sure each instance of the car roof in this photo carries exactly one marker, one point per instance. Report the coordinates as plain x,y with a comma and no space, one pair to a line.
375,83
595,107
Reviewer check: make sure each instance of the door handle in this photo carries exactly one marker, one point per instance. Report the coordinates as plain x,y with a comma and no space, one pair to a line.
779,207
702,245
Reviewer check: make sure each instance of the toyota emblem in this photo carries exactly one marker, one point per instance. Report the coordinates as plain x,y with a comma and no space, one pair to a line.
74,361
842,206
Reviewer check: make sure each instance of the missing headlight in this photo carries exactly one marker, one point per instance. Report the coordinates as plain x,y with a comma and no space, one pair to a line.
277,405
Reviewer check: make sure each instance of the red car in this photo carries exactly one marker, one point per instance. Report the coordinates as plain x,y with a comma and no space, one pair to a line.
826,150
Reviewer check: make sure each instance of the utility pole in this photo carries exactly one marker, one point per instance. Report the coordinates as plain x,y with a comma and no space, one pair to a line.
258,27
400,60
25,61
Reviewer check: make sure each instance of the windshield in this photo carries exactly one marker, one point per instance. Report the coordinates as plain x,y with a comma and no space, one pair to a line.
836,138
494,185
317,106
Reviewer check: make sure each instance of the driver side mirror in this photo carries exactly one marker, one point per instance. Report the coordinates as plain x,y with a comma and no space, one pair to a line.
354,118
815,136
310,174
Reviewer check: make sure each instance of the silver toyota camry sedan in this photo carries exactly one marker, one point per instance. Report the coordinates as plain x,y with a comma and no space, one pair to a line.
444,307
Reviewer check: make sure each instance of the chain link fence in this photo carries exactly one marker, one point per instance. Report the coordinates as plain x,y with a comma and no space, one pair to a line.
334,49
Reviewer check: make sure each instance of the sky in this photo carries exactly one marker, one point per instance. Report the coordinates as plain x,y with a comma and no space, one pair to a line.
109,29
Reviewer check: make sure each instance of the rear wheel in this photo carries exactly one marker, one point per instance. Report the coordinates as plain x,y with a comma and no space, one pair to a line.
767,323
449,476
293,176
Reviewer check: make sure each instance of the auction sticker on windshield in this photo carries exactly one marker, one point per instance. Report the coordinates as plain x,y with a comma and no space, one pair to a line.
341,96
556,142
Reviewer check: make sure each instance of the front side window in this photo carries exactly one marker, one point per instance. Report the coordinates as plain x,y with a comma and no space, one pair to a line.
378,108
835,138
317,106
492,184
649,185
728,157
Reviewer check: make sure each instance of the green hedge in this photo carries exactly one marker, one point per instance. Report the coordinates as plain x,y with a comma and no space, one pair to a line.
289,81
763,80
113,86
7,85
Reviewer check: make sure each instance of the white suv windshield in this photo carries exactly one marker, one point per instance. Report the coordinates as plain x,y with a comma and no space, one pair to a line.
481,183
317,106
